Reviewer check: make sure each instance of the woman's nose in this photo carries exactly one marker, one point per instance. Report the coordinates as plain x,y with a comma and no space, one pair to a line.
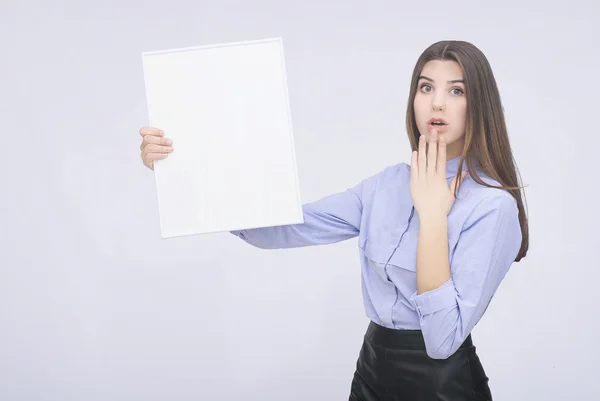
438,105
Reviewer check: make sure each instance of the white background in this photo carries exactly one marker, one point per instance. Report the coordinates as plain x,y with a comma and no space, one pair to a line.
94,306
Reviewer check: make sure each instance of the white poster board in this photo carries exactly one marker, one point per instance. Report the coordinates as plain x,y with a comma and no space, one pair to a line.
226,109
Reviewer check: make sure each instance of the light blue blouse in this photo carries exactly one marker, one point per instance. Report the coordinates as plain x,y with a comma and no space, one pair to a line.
484,238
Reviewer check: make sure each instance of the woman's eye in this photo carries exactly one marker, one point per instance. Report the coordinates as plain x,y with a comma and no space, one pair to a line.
457,91
425,88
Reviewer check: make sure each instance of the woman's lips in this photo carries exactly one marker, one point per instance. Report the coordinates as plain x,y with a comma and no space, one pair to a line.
439,128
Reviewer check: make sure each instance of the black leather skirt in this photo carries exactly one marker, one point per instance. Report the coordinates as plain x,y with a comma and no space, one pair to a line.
394,366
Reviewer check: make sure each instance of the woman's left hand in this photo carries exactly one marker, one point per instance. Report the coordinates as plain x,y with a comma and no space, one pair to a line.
431,194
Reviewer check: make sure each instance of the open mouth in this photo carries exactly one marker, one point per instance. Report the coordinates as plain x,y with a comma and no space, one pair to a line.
437,124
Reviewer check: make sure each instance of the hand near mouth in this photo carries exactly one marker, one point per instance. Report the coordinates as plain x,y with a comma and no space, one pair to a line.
431,194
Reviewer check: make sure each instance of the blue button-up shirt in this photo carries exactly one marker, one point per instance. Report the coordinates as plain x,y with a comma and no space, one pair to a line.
484,237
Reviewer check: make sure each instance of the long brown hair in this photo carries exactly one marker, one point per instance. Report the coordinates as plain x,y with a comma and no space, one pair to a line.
487,145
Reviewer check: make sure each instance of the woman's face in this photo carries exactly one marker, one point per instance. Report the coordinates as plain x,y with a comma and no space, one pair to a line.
441,95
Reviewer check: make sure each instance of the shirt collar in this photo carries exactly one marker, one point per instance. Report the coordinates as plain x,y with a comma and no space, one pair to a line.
452,166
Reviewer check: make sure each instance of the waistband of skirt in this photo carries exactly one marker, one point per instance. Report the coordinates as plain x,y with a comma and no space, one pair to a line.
401,339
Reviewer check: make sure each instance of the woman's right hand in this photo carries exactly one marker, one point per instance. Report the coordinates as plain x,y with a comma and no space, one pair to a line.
154,146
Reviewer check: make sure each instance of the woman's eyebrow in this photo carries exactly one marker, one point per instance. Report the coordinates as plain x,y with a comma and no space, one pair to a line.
454,81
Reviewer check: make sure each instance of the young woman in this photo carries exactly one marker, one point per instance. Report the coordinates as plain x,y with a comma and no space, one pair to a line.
436,237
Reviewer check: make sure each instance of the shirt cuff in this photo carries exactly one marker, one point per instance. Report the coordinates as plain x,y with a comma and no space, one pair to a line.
438,299
238,233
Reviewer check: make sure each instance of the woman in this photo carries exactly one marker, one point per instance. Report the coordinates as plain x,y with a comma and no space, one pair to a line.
434,243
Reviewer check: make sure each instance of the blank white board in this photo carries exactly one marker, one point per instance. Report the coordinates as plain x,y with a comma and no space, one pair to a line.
226,108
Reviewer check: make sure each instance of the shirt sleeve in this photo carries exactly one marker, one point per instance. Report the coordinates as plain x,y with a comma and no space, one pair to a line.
487,246
331,219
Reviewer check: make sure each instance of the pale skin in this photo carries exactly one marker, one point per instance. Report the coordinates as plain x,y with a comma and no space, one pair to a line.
154,146
441,94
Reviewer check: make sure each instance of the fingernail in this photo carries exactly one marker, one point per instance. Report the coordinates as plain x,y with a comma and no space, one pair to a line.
162,133
169,142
